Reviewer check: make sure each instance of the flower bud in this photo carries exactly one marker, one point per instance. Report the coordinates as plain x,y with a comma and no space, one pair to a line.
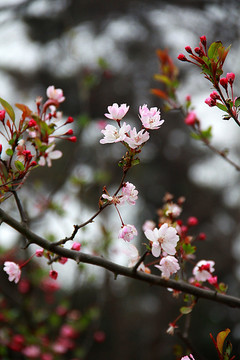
69,120
224,82
53,274
192,221
190,118
32,123
72,138
203,40
76,246
2,115
188,49
230,77
182,57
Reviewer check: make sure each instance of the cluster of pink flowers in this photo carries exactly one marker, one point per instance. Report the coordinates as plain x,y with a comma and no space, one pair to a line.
134,141
131,138
31,140
163,242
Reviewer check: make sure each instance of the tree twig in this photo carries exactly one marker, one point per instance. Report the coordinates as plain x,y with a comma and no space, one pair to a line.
119,269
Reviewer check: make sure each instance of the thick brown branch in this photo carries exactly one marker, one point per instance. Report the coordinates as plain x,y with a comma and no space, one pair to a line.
119,269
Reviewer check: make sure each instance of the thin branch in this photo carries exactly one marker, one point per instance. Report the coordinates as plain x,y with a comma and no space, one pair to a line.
20,208
119,269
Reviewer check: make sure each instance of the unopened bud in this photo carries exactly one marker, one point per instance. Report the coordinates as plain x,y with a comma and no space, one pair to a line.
182,57
203,40
69,120
72,138
32,123
69,132
188,49
230,77
53,274
2,115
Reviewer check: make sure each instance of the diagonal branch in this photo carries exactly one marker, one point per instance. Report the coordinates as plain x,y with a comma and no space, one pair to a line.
119,269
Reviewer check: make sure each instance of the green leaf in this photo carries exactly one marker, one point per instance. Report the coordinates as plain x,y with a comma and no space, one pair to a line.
189,249
207,134
221,106
185,310
195,136
135,161
163,78
9,152
19,165
8,109
237,102
213,50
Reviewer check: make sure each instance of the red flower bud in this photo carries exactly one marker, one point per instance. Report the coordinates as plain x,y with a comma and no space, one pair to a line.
188,49
2,115
72,138
33,163
224,82
230,77
69,132
192,221
69,120
182,57
32,123
53,274
202,236
203,40
0,149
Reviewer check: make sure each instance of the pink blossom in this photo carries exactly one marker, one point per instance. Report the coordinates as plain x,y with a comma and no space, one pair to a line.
63,260
39,252
55,94
168,266
117,112
210,101
32,351
137,139
129,192
127,232
150,118
133,256
149,224
68,331
76,246
165,239
2,115
13,270
190,357
230,77
49,155
203,270
191,118
113,135
53,274
173,210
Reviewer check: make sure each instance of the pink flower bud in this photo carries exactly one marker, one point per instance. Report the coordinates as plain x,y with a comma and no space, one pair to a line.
230,77
213,280
39,252
0,149
53,274
188,98
224,82
190,118
32,123
203,40
182,57
2,115
63,260
210,101
214,95
192,221
76,246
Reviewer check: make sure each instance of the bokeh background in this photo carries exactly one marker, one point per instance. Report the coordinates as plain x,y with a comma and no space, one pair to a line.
101,52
